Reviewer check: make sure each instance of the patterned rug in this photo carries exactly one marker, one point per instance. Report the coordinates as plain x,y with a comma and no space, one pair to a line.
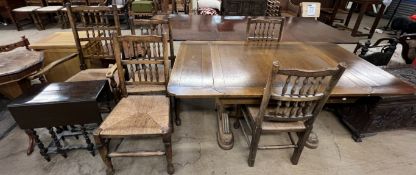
405,72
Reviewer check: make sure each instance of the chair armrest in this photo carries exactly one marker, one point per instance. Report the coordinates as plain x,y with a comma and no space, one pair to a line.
50,66
111,71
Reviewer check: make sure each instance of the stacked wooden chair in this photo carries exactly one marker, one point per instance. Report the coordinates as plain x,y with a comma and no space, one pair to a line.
30,8
267,30
291,105
139,116
273,8
54,7
95,27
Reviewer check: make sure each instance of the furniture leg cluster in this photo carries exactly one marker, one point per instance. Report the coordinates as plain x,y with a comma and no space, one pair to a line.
267,85
59,137
52,106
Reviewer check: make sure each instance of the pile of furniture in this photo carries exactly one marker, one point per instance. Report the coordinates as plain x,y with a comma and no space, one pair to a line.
255,77
374,114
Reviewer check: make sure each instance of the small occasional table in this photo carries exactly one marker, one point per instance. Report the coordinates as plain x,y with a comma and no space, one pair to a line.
15,66
60,104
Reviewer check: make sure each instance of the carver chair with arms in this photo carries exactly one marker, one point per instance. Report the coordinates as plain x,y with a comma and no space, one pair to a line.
139,116
96,26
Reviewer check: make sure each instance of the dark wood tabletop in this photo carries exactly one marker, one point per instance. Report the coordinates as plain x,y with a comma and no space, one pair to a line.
60,104
233,69
233,28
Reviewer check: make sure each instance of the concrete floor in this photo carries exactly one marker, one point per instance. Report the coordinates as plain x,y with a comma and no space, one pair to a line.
196,151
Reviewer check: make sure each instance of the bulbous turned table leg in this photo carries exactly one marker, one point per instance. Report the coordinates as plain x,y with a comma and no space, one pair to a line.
313,141
43,151
57,142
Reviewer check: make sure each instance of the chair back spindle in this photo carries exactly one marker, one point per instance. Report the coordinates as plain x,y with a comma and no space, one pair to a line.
96,26
265,30
145,59
153,27
300,96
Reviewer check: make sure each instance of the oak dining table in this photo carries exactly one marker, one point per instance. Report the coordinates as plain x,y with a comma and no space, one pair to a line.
233,28
234,72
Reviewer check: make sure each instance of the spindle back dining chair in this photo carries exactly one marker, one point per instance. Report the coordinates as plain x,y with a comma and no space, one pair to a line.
291,102
96,25
157,27
30,8
54,7
139,116
146,64
265,30
154,27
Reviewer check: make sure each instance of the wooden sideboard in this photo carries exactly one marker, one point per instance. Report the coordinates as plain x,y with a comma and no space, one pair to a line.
6,7
244,7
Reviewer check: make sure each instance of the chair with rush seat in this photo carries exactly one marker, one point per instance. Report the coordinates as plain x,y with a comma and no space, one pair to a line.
292,99
139,116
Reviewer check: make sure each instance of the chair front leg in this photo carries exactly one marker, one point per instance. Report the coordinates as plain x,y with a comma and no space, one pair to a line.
35,20
168,151
255,139
102,146
303,137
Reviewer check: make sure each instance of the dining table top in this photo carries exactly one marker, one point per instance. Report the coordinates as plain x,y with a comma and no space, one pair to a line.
233,28
227,69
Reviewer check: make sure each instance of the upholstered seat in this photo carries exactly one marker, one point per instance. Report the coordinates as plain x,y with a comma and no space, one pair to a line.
270,126
49,9
27,9
137,115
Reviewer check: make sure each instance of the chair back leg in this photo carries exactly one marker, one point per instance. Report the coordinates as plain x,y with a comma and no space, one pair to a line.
303,137
253,146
